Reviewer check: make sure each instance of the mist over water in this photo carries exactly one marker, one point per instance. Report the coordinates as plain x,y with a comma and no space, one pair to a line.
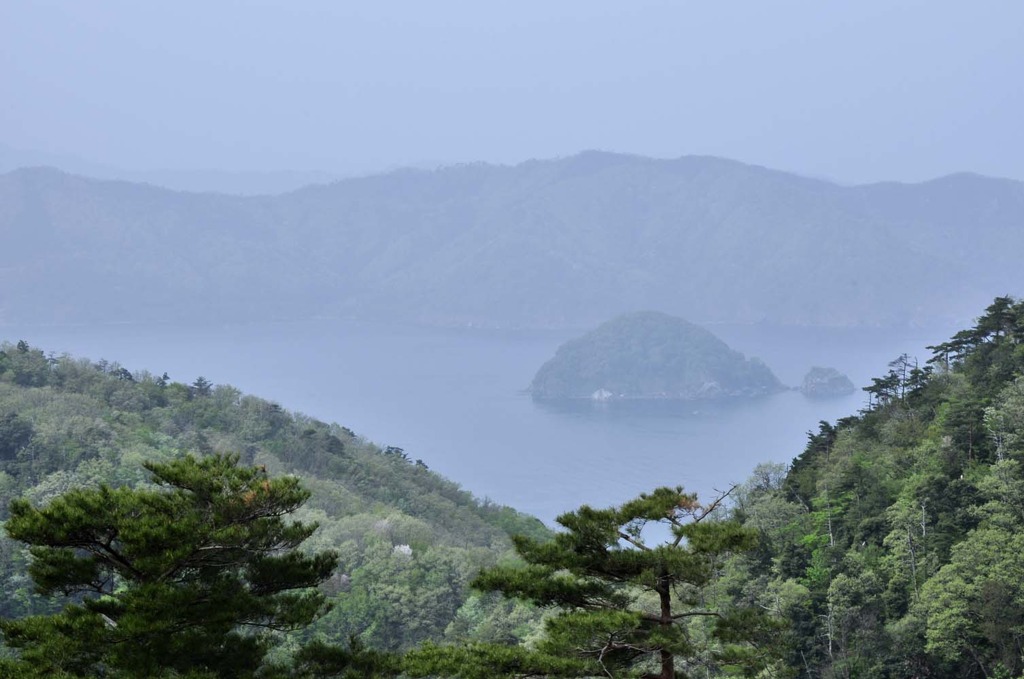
456,399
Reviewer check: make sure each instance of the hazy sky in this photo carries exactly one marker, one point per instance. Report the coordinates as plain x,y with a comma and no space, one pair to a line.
865,90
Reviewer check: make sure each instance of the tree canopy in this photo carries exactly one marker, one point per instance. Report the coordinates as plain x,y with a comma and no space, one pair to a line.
627,603
68,422
191,574
892,544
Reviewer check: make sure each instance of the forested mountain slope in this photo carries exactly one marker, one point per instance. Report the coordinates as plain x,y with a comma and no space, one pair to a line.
565,242
409,540
892,546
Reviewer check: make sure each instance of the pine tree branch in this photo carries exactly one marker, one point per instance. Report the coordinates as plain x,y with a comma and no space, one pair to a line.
631,540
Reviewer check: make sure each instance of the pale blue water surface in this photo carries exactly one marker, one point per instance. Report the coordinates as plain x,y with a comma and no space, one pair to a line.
456,399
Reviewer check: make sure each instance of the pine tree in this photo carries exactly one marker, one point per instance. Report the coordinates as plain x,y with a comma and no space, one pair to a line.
189,577
628,606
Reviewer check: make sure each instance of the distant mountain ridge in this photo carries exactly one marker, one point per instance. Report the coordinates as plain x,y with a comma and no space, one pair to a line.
565,242
237,182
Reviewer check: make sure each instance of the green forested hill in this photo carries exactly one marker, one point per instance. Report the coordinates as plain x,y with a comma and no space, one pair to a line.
409,540
650,355
892,546
566,242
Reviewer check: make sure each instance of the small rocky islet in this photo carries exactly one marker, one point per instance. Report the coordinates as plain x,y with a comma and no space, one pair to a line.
822,382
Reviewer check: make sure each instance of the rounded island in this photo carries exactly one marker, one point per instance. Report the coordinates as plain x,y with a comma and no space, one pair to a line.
826,382
650,355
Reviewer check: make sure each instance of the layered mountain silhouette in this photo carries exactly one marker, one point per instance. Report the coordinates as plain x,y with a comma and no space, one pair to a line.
566,242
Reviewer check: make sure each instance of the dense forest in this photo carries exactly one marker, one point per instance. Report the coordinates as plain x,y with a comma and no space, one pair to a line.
890,547
408,540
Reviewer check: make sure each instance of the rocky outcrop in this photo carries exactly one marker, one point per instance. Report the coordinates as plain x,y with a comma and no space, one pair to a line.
826,382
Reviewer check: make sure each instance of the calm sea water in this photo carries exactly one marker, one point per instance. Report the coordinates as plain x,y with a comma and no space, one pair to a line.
456,400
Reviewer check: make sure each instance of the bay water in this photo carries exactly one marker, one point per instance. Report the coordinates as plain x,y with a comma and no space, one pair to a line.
456,399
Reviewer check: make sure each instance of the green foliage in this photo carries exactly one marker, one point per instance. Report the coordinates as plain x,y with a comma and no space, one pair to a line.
487,661
191,575
15,433
318,660
974,606
83,425
892,545
625,604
